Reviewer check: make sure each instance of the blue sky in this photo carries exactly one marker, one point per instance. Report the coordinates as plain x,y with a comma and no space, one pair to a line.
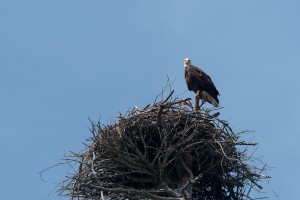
64,61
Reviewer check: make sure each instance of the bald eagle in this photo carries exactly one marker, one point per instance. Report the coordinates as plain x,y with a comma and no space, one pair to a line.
199,82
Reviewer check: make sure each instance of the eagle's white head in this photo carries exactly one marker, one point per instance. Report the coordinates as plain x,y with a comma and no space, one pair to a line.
187,62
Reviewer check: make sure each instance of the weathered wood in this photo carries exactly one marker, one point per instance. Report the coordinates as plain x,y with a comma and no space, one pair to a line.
164,151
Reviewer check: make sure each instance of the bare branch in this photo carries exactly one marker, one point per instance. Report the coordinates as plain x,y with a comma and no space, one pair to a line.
165,151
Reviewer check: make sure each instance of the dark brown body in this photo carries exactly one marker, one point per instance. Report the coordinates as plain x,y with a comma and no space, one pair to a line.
197,80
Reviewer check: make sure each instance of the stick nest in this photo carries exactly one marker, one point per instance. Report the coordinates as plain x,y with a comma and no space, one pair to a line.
164,151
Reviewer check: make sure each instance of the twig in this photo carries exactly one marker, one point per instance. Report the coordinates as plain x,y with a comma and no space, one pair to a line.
142,156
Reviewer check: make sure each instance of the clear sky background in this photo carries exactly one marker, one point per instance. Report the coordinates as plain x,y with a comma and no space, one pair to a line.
64,61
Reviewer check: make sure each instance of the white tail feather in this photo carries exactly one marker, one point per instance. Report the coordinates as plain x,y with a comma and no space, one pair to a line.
209,98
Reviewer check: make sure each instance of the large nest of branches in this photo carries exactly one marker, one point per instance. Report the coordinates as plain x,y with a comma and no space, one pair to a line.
164,151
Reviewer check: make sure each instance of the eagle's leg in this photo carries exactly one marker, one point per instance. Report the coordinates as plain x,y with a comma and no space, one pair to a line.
197,98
